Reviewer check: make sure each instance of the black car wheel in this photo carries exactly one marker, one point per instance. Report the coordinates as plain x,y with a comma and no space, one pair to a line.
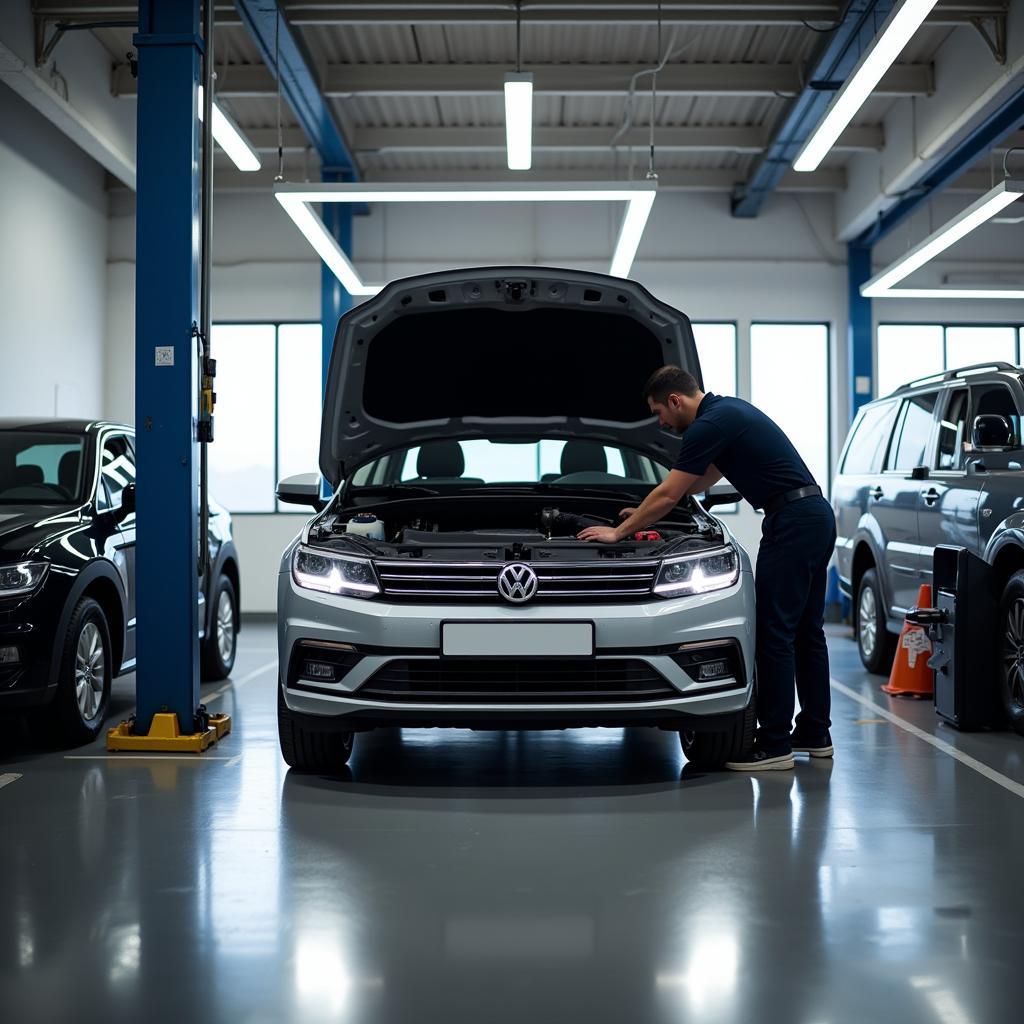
1010,673
221,642
710,750
79,707
876,645
310,750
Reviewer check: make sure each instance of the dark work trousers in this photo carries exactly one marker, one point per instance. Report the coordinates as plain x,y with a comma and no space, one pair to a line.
792,568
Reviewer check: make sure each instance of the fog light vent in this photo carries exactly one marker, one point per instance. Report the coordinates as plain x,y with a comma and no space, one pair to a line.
9,656
714,670
318,670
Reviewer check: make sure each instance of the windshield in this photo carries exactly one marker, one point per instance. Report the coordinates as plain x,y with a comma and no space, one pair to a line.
40,469
481,461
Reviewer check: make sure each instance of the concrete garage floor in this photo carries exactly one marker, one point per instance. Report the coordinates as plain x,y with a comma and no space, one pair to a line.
485,877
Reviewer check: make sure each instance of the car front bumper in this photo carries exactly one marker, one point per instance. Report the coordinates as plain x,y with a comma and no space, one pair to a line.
647,632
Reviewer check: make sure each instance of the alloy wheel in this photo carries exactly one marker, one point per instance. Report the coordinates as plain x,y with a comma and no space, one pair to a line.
1013,651
90,671
225,627
867,627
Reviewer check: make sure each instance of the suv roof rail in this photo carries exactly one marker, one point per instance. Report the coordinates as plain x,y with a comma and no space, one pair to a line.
959,372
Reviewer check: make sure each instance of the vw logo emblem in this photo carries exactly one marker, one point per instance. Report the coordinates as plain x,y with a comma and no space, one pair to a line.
517,583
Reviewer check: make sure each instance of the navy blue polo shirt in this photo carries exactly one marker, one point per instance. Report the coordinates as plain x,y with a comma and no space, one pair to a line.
749,449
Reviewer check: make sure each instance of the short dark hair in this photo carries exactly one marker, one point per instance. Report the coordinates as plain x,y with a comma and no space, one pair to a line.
670,380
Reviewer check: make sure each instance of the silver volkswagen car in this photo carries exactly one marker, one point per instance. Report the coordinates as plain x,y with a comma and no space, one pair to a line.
474,422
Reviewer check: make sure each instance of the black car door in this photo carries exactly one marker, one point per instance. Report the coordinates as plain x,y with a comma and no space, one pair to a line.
117,470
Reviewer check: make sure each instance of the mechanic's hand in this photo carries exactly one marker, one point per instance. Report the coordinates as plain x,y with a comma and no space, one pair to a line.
625,513
602,534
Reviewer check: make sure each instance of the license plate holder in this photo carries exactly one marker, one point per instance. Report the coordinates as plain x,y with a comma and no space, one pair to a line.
499,638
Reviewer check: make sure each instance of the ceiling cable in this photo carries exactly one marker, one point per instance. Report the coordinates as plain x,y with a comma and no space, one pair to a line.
277,72
651,173
519,34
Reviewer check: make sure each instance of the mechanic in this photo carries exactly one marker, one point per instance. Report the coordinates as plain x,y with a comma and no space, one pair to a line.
731,438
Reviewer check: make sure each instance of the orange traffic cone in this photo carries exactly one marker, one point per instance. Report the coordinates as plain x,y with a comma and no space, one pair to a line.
911,676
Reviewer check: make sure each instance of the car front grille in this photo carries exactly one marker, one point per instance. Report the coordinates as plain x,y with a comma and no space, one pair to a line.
503,681
601,580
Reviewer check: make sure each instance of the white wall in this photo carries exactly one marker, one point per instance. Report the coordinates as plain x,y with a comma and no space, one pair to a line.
782,266
53,214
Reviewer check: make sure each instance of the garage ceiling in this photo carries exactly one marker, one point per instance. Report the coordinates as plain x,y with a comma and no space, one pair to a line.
417,88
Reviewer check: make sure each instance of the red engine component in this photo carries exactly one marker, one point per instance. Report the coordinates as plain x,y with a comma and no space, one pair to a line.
647,535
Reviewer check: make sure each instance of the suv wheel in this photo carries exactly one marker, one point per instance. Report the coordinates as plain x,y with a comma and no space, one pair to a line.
875,643
710,750
217,655
79,707
1010,673
310,750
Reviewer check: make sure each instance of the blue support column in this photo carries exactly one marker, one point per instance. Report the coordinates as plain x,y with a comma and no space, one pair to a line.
334,300
860,361
166,308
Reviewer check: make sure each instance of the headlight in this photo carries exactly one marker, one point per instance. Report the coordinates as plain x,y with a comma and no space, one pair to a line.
697,574
333,574
22,578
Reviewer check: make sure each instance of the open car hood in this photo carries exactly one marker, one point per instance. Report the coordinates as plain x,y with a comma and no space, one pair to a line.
499,352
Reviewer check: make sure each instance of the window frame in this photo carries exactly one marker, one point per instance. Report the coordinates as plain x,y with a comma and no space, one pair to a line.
280,508
931,444
946,398
841,469
735,325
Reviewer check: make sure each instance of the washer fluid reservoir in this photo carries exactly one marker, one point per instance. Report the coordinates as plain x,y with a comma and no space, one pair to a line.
366,525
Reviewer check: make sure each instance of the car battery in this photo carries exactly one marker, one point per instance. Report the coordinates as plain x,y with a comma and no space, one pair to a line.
963,633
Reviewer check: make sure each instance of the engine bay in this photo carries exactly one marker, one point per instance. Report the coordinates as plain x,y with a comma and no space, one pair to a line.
504,527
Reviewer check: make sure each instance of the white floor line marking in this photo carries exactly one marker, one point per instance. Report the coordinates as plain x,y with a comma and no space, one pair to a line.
947,748
145,757
220,691
233,761
6,780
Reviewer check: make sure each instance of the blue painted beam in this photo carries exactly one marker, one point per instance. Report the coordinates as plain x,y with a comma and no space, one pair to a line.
860,330
831,65
984,137
166,308
269,28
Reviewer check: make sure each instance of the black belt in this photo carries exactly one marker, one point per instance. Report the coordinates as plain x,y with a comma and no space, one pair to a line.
781,500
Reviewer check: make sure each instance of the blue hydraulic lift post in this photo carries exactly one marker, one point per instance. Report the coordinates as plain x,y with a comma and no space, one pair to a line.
334,300
166,363
861,373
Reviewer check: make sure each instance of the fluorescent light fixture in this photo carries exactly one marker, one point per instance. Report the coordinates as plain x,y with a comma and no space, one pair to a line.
297,202
896,31
519,120
230,138
882,284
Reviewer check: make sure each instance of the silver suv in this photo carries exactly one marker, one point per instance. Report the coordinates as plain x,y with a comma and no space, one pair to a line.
474,422
939,461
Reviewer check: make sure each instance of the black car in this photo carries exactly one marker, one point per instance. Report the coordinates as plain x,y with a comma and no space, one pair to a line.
67,574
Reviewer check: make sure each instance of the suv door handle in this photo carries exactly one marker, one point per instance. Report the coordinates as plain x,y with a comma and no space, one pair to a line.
876,493
931,496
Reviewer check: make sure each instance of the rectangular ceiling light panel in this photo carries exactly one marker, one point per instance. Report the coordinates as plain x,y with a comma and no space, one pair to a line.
882,285
298,200
519,120
903,21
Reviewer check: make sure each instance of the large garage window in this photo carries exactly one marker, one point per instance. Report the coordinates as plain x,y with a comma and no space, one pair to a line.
908,352
716,349
267,420
789,381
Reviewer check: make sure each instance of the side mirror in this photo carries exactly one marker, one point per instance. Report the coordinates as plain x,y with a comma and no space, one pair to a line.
127,506
720,494
992,431
303,489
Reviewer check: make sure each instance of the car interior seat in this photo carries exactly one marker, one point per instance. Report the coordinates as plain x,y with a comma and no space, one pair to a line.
67,471
443,463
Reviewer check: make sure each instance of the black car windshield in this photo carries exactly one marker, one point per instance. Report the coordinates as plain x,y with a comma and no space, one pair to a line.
39,468
482,461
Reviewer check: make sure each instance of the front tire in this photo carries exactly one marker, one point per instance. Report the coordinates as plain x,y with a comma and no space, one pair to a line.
79,707
220,644
1010,671
317,751
710,750
875,644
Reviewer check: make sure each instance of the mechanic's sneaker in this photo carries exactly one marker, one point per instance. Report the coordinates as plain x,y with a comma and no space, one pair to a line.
758,760
816,746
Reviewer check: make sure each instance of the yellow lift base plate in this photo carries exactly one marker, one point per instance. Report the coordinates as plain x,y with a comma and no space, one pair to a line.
165,735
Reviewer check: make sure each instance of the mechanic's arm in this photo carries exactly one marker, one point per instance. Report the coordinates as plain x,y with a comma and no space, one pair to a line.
706,482
654,507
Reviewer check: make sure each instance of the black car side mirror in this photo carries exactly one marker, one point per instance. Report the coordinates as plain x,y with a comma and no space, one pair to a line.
715,497
127,506
992,431
303,489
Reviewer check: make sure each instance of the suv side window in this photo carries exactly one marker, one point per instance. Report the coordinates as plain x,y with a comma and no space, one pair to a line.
117,470
870,439
913,432
953,430
996,399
